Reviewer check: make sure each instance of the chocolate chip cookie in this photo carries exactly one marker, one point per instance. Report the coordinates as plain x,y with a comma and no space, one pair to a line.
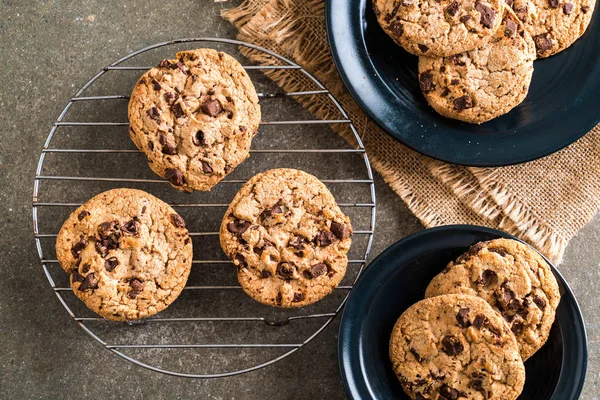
129,254
287,237
194,117
514,279
454,347
554,24
439,28
485,83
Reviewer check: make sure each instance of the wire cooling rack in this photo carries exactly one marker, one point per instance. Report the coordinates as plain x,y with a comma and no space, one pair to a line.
213,329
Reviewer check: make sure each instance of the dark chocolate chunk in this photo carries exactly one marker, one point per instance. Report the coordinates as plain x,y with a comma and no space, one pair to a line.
446,92
541,303
285,270
177,110
132,227
451,345
88,283
463,318
457,60
448,393
298,296
479,321
318,270
169,148
198,139
341,231
568,8
82,215
396,28
171,97
504,296
453,8
488,278
415,354
454,81
241,261
502,252
136,288
487,14
517,327
177,221
85,269
155,84
465,18
297,243
265,274
585,9
77,277
211,107
463,102
238,226
324,238
426,82
509,2
553,3
269,212
154,113
206,168
543,42
164,63
278,299
174,176
78,247
150,145
111,263
510,29
423,48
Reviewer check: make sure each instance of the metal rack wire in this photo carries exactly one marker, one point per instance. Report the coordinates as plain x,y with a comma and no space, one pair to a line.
52,185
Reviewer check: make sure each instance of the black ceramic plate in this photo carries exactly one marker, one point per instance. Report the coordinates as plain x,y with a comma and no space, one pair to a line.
397,279
563,102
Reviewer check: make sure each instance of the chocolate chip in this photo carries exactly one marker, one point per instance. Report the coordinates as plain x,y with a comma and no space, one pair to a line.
446,92
285,270
504,295
177,110
426,82
169,148
543,42
318,270
457,60
242,129
585,9
517,327
198,139
241,261
265,274
568,8
415,354
341,231
164,63
150,145
108,237
77,277
541,303
455,81
177,221
479,320
82,215
451,345
509,2
487,14
211,107
88,283
510,29
206,168
502,252
111,263
78,247
132,227
238,226
463,318
476,384
155,84
448,393
278,299
465,18
144,210
297,243
174,176
423,48
136,288
171,97
154,113
453,8
298,296
396,28
553,3
463,102
269,212
85,269
324,238
488,278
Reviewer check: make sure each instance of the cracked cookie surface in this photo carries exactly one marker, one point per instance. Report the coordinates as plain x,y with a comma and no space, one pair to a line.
485,83
514,279
128,253
456,346
554,24
287,237
194,117
438,28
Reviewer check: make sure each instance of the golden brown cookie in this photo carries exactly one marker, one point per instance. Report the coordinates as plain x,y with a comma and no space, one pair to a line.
439,28
485,83
288,238
128,253
194,117
514,279
455,347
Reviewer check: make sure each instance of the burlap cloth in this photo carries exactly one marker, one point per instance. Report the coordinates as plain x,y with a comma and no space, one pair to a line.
544,202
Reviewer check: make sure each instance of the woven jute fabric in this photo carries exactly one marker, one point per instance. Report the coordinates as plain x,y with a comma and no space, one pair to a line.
544,202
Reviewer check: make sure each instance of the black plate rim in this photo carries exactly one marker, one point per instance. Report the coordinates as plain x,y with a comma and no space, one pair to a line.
343,336
369,73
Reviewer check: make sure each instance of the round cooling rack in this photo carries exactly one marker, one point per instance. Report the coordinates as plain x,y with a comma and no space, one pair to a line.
213,329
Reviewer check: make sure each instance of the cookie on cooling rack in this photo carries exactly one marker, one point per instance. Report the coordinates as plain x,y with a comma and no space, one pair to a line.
481,84
439,28
129,254
456,347
288,238
194,117
514,279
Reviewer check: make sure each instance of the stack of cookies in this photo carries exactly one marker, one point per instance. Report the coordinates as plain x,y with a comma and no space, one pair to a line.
483,316
129,254
476,56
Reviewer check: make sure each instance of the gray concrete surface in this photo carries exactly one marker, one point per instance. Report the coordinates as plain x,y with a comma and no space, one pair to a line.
49,49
